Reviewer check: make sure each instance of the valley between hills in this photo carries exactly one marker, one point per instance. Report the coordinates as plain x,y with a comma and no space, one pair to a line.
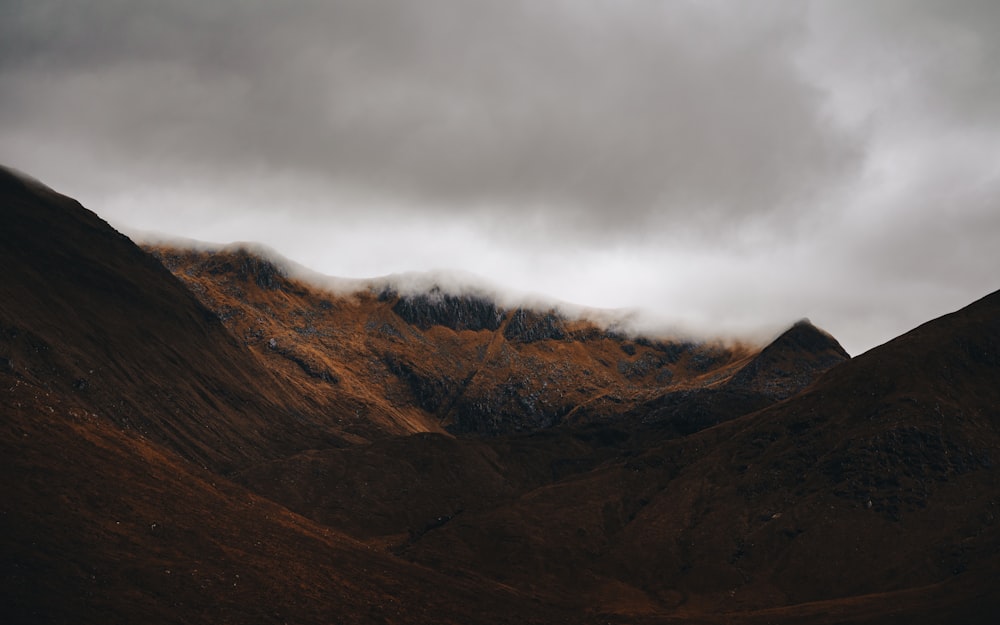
200,436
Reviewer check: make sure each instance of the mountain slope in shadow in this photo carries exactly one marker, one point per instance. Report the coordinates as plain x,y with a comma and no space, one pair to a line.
877,480
86,313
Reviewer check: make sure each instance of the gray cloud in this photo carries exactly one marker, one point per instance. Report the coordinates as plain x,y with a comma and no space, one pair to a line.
608,117
812,151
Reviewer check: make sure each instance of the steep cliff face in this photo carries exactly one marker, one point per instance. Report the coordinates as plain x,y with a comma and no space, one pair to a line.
437,308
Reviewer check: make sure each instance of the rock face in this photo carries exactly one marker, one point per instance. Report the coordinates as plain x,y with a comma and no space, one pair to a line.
450,311
528,326
177,454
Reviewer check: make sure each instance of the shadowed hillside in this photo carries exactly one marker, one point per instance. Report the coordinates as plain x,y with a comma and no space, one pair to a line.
84,313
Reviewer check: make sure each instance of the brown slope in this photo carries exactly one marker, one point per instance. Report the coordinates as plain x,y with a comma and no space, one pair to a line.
84,311
323,346
98,525
884,469
437,361
393,491
873,493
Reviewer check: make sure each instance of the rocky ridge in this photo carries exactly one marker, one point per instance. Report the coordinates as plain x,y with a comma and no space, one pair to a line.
464,363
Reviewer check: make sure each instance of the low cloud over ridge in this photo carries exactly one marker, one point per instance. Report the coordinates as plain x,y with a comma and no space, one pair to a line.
735,167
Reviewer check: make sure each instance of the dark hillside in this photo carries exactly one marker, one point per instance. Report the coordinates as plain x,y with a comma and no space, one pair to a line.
877,481
86,313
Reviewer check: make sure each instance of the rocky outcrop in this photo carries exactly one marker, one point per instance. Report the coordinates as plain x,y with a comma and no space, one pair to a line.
527,326
238,262
515,405
451,311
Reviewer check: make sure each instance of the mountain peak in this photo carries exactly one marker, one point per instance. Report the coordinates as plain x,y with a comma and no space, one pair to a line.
804,336
791,362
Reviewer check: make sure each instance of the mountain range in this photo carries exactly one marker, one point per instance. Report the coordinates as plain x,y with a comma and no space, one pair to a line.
204,435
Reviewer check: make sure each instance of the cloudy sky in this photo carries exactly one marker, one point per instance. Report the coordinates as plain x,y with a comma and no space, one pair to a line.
723,166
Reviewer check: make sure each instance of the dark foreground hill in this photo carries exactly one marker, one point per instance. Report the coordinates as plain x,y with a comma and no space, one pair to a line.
237,446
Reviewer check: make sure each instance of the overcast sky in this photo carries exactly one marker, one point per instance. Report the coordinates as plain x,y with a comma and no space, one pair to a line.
727,167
